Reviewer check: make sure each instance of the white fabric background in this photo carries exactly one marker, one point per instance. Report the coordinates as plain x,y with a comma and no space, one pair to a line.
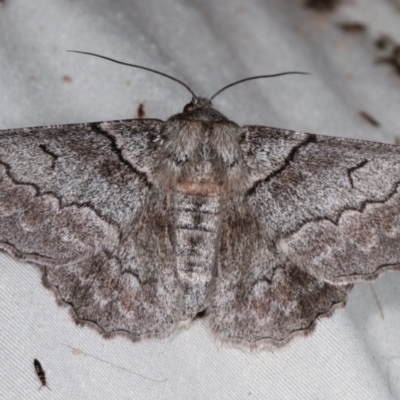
207,44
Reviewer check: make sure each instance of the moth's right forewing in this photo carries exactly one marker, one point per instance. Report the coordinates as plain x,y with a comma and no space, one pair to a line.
139,143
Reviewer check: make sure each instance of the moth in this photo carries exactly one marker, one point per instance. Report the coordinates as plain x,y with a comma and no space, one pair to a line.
40,373
140,225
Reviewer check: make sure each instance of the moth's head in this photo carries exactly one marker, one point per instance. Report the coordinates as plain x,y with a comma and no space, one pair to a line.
200,109
197,103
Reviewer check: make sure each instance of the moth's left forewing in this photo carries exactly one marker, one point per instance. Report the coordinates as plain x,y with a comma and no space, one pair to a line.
333,207
267,150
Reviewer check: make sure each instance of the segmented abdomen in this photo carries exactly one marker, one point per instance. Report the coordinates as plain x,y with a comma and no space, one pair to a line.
197,219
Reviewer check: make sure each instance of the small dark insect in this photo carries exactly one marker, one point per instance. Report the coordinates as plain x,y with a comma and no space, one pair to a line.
369,118
383,42
141,113
353,27
393,59
67,79
40,373
322,5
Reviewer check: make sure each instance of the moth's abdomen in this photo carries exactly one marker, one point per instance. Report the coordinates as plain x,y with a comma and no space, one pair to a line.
197,219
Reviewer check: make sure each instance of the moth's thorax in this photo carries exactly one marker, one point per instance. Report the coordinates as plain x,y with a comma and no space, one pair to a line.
197,156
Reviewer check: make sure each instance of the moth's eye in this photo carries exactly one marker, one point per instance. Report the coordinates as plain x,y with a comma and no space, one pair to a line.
188,108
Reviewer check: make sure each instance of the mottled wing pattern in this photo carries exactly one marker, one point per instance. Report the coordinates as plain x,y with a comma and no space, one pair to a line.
320,213
72,201
333,207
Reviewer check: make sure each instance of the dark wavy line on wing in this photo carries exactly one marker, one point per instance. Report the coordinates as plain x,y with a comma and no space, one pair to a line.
335,221
39,193
310,139
22,254
96,127
352,169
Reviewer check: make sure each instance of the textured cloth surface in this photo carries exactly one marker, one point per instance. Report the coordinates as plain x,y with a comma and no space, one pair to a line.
207,44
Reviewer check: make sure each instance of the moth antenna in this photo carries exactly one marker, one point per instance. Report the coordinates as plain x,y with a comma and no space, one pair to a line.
255,77
135,66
